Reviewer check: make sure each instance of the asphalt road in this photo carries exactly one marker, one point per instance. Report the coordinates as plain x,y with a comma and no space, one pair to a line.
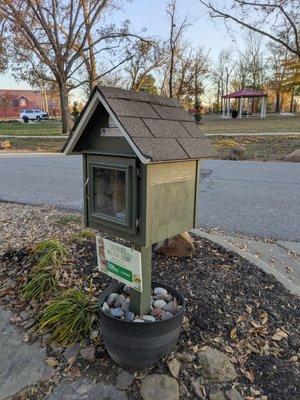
252,198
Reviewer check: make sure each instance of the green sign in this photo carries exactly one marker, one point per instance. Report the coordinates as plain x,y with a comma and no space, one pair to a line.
120,262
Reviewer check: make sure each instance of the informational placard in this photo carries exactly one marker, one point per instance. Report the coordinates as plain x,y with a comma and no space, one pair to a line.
120,262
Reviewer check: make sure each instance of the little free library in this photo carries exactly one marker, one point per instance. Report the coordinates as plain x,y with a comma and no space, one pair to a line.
141,166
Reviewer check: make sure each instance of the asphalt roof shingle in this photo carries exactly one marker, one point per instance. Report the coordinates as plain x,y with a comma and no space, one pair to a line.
158,127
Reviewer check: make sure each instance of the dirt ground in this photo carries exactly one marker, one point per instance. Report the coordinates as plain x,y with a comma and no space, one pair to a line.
231,305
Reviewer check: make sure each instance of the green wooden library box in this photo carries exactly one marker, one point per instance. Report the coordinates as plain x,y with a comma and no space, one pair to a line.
141,157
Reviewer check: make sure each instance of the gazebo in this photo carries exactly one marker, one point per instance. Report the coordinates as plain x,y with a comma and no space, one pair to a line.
244,94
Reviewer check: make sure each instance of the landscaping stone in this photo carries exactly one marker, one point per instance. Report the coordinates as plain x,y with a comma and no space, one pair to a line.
185,357
177,246
148,318
116,312
105,307
233,394
160,291
294,156
111,298
166,315
174,367
196,386
72,351
88,354
21,365
159,387
159,304
124,380
237,153
170,307
215,366
120,300
216,393
129,316
86,390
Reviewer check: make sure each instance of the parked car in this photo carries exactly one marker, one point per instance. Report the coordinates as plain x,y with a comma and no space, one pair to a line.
33,115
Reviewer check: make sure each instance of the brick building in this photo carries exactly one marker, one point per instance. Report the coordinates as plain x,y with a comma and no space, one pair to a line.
12,102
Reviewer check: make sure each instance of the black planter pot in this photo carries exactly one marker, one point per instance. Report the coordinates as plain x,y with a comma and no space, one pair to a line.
139,345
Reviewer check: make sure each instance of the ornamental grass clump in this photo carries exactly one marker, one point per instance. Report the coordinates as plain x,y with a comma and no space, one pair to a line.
69,317
50,252
82,236
43,279
41,283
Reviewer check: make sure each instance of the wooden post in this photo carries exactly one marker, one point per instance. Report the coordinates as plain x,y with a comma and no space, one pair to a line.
140,301
241,107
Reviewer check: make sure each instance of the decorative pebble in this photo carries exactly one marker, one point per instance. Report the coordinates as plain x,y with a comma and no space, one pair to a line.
138,320
116,312
120,300
111,298
159,304
125,305
129,316
160,290
148,318
156,312
171,307
105,307
127,289
166,315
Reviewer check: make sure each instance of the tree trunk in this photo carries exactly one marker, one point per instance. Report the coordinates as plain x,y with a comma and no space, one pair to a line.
64,105
292,99
277,103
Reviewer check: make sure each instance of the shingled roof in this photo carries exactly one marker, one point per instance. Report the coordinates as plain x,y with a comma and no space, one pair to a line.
157,128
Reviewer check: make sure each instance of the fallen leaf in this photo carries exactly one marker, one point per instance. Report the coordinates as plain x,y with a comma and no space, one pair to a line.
250,375
293,359
279,335
233,334
52,361
248,309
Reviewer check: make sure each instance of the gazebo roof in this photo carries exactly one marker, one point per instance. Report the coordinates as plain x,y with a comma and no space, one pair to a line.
244,93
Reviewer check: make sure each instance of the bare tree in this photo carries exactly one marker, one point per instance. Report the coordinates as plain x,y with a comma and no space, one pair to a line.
177,29
56,39
144,59
221,75
276,19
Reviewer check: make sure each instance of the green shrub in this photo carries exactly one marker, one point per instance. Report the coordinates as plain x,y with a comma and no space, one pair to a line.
51,252
69,317
40,284
80,237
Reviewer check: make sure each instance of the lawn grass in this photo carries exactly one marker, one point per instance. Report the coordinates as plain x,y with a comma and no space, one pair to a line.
273,123
263,148
43,128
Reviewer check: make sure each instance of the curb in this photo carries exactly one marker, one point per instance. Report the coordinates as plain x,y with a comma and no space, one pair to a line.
249,257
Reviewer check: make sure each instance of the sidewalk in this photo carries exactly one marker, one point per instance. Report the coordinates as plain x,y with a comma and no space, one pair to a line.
254,134
279,258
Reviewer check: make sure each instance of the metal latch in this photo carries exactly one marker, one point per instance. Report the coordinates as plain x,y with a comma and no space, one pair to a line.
86,187
138,222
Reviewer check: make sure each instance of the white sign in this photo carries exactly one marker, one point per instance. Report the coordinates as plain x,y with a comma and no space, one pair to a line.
120,262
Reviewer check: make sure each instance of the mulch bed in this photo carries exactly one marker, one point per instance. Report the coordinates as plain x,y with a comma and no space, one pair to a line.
231,305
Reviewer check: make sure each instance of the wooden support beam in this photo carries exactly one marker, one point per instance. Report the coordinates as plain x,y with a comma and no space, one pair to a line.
140,301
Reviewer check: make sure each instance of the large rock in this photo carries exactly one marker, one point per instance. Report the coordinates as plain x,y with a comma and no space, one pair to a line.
21,364
237,153
86,390
215,366
156,387
177,246
294,156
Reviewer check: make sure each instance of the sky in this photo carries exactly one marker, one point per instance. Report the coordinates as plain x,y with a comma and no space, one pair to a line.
151,14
